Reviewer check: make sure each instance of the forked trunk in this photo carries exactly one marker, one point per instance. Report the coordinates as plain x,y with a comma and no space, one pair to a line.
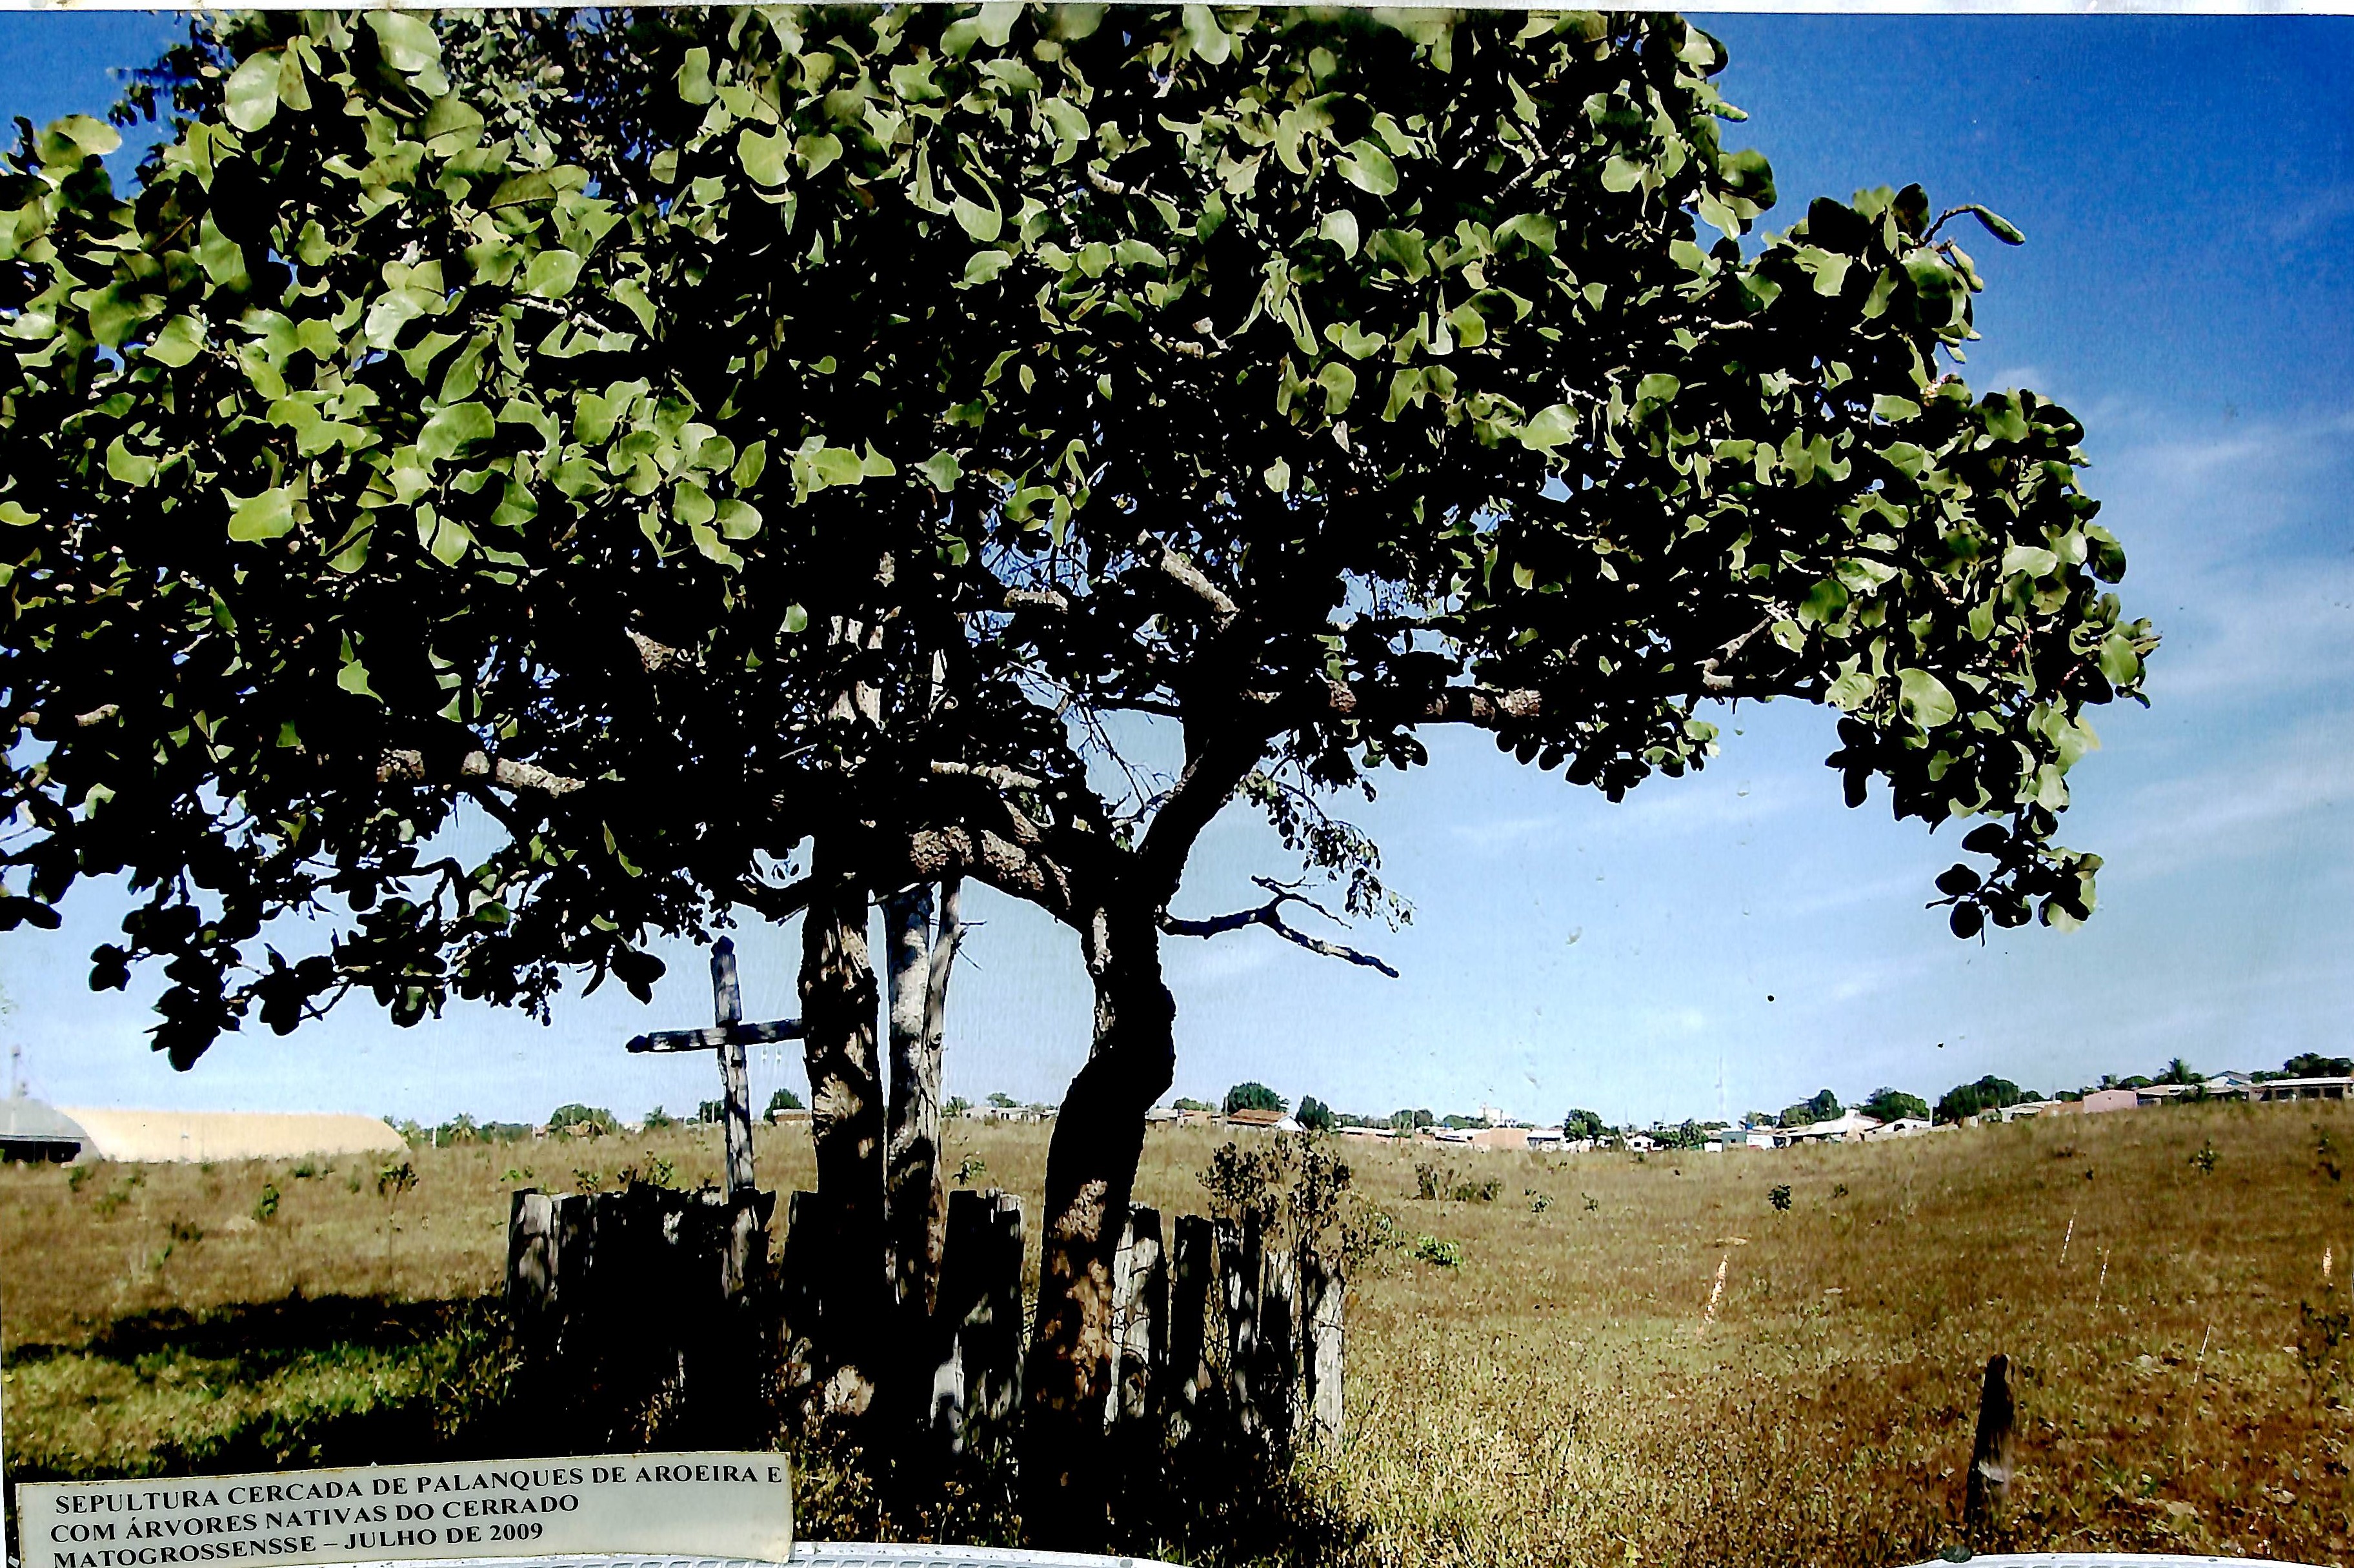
838,1013
1090,1172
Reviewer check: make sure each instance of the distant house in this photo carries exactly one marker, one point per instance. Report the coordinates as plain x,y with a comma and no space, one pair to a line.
2301,1089
1641,1142
1262,1121
1367,1132
38,1133
1903,1127
2101,1100
1758,1138
157,1137
1513,1137
1552,1139
1850,1127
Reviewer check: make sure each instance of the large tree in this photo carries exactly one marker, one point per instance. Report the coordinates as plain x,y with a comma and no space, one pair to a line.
846,427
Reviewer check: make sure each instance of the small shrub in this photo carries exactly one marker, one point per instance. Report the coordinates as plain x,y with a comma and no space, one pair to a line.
1839,1189
2325,1156
657,1172
970,1169
265,1208
1538,1201
1593,1203
396,1181
1438,1251
2203,1161
588,1180
1779,1196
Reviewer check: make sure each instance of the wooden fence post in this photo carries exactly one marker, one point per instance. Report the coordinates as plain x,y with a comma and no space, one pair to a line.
1240,1260
1277,1387
532,1260
991,1336
1323,1295
1141,1315
1991,1452
1184,1373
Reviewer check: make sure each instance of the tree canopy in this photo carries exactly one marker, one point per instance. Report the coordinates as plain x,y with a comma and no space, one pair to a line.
1255,1097
1891,1104
1313,378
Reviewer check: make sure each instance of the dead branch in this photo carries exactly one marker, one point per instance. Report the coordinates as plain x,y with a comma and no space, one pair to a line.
1270,914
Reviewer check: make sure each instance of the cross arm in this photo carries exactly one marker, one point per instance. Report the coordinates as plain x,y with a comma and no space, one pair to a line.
715,1037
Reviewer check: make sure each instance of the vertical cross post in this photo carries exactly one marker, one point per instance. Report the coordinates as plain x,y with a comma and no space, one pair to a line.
734,1078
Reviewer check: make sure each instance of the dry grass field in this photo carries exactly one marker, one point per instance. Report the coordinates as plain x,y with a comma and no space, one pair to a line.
1566,1395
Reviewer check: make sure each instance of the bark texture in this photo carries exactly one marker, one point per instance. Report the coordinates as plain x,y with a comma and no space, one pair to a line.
839,1006
1090,1173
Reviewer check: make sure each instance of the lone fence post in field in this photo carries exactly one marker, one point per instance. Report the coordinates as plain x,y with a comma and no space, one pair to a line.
1991,1452
1323,1293
1277,1384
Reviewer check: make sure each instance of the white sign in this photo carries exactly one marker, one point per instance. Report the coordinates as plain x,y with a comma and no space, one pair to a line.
702,1504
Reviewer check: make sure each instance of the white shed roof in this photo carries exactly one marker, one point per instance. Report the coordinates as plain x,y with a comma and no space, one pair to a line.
162,1136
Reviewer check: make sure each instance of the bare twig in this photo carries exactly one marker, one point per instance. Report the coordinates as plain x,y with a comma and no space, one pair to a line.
1270,914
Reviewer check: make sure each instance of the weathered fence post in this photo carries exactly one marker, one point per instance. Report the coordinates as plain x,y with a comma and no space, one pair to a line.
990,1335
1240,1261
1140,1317
1990,1454
1184,1373
532,1261
1277,1390
1323,1293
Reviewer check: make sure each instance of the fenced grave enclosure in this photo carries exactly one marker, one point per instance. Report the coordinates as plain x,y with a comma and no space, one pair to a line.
650,1310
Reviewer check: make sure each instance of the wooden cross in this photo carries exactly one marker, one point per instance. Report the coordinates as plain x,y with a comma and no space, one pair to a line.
727,1036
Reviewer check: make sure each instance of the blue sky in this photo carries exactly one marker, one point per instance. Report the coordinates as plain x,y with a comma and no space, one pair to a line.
2188,194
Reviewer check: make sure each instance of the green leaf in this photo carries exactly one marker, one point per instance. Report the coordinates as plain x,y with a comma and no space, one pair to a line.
1534,229
250,97
180,340
264,517
1658,388
453,428
816,152
2001,228
762,154
737,520
836,465
1277,476
982,223
983,266
1366,167
1550,428
1401,249
95,138
2119,663
552,274
942,470
406,40
796,620
693,78
1923,698
128,467
1339,226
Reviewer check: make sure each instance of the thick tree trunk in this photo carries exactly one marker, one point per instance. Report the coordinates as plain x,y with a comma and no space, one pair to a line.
1090,1172
915,1192
838,1015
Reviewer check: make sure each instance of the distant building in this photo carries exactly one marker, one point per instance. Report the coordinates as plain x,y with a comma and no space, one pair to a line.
1262,1121
1903,1127
159,1137
2301,1089
1758,1138
38,1133
1513,1137
1850,1127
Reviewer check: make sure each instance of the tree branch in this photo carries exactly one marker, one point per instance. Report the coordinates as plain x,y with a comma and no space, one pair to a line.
1223,611
524,778
1270,914
988,773
1711,671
